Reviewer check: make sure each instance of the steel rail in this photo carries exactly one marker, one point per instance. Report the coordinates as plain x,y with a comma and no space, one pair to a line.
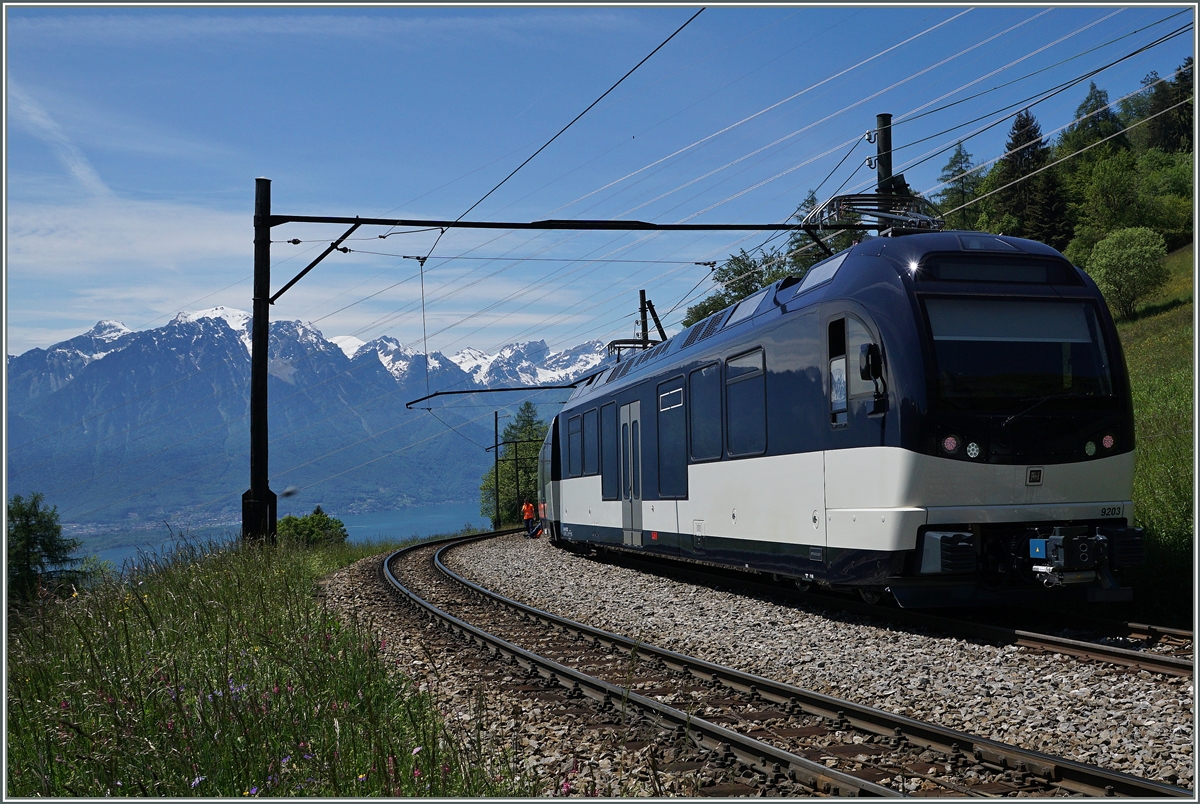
1125,657
706,735
1070,775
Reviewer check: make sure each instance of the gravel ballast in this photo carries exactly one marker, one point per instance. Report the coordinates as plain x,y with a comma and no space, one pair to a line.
1091,712
557,750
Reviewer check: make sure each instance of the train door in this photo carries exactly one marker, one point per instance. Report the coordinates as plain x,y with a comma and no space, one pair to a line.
631,473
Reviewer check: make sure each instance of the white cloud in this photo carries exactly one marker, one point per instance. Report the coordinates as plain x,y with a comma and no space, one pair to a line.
46,240
38,122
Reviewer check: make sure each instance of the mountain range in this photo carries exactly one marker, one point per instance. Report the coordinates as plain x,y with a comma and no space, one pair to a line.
138,427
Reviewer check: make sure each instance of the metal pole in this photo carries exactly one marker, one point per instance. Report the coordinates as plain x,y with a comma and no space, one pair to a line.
517,470
883,124
496,450
259,502
642,313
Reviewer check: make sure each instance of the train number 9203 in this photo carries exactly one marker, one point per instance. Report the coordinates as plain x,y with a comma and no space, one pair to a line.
1110,510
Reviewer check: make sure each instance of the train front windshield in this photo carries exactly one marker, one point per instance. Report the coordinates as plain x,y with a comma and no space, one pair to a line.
998,355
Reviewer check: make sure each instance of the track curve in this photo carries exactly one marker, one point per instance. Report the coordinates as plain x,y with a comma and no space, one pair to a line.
875,745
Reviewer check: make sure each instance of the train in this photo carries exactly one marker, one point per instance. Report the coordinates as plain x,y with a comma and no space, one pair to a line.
942,417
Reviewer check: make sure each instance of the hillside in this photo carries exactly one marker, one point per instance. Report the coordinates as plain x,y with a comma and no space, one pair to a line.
1159,350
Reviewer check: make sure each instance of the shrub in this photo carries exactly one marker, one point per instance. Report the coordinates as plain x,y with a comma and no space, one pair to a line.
1128,265
317,528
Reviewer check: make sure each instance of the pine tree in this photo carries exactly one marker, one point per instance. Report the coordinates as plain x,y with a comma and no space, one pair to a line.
1025,153
1046,219
1171,131
961,186
1095,121
38,555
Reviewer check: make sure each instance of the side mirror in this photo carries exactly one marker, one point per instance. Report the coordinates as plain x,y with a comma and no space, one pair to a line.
870,362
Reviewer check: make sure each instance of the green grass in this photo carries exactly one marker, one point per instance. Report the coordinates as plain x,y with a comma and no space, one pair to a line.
219,674
1158,347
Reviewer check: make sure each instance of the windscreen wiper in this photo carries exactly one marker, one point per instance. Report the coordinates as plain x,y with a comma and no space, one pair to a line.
1046,398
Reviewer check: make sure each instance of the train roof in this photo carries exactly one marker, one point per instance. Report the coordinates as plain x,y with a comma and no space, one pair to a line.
910,248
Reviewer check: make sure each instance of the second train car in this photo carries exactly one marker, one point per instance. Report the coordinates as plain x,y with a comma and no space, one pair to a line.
943,416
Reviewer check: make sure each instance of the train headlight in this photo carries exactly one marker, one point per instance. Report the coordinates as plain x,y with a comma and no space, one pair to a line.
972,450
1108,441
1090,448
950,444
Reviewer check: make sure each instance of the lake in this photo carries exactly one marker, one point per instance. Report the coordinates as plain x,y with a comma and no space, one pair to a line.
424,520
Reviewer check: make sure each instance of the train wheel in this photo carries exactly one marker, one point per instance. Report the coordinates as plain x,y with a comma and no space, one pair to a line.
803,586
870,596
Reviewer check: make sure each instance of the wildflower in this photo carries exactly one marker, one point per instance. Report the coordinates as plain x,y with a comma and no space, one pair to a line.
308,756
416,772
362,777
566,788
445,769
285,760
417,750
197,781
63,705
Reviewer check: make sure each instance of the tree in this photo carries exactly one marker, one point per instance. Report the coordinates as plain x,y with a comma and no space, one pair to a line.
317,528
1136,108
1047,220
742,274
1020,201
39,558
1129,265
522,439
1171,131
961,186
737,278
1095,120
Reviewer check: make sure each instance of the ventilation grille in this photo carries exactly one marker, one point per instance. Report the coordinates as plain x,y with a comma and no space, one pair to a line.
693,335
714,324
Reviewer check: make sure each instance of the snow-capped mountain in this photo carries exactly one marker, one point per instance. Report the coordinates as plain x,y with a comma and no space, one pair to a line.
41,371
408,366
117,425
238,321
530,363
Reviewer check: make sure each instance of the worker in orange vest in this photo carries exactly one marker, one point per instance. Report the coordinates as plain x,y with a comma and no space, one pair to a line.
527,513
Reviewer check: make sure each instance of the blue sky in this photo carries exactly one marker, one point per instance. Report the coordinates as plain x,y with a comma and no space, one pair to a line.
134,136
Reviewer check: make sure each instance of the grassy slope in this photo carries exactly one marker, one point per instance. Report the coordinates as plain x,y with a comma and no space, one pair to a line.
1158,347
220,675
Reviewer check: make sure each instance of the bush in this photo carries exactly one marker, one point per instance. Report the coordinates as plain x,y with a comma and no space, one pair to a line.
1128,265
317,528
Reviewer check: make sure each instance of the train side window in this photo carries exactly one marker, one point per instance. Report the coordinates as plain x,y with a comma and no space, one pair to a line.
837,372
591,443
610,484
857,337
574,447
704,412
672,440
746,404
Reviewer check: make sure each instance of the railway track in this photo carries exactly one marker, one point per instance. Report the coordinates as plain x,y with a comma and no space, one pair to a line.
754,733
1137,646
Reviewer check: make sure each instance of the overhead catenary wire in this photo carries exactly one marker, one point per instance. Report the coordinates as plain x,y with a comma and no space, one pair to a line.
864,61
178,381
531,157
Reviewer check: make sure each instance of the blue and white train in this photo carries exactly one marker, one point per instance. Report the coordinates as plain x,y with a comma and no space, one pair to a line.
942,416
